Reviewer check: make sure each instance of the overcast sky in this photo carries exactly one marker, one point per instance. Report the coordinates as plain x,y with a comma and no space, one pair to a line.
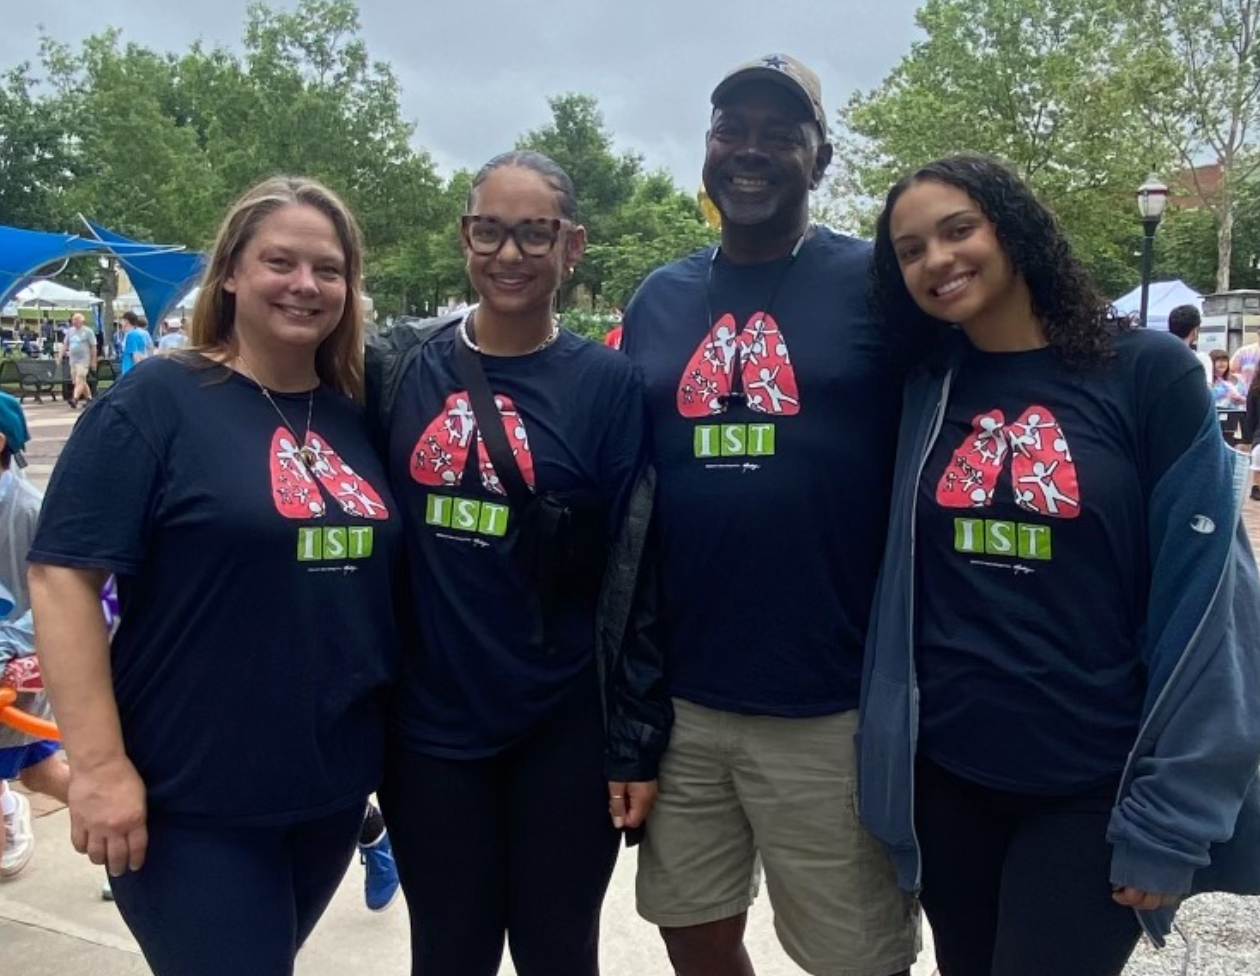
475,75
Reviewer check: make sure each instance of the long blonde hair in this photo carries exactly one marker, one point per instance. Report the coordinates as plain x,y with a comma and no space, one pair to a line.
339,358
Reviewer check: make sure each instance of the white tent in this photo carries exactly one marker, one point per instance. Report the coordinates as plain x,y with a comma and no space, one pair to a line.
185,305
128,301
48,294
1161,299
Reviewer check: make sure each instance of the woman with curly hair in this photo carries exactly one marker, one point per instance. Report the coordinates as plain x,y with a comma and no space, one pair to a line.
1066,576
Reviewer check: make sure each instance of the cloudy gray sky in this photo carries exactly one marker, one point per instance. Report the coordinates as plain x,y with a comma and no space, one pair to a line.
477,73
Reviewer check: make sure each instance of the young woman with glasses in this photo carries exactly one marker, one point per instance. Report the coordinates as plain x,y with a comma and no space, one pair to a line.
531,716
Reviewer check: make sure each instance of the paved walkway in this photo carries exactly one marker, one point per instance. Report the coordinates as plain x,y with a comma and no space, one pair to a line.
53,922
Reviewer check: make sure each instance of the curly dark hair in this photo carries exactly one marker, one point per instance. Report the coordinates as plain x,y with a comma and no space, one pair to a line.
1078,321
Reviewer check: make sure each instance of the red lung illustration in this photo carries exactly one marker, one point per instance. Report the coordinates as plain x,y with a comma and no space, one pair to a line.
1042,472
760,351
972,472
296,488
769,379
441,452
1043,476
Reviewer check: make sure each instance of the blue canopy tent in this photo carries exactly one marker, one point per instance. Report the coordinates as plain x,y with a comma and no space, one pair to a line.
24,252
1162,298
160,278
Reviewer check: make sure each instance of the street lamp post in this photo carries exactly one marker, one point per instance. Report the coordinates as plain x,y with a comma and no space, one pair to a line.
109,289
1152,197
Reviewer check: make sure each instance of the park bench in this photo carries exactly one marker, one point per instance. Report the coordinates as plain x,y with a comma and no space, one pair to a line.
10,380
37,377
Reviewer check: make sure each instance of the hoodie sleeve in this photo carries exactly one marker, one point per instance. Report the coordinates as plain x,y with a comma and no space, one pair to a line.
1199,746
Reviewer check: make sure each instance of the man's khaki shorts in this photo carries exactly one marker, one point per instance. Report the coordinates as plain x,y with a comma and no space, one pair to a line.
736,789
79,374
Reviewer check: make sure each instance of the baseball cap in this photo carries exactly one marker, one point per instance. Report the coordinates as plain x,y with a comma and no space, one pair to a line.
779,69
13,427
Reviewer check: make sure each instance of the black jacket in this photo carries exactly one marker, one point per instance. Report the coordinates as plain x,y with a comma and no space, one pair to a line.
637,709
1251,419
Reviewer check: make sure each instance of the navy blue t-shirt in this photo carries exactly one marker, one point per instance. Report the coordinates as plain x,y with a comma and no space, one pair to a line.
257,640
1034,563
772,511
575,417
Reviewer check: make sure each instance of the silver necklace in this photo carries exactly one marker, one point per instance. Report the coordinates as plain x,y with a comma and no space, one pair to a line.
305,452
552,336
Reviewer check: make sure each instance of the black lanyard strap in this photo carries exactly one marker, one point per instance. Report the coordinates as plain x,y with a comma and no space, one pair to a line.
490,426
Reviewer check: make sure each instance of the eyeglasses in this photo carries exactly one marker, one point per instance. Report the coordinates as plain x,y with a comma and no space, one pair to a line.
535,237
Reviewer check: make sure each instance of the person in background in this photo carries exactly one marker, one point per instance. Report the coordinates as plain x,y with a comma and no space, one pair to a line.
1251,434
175,337
376,854
1184,322
233,491
1245,360
1227,389
134,348
79,353
1059,736
32,760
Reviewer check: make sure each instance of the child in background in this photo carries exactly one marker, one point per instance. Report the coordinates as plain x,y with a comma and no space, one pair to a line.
34,761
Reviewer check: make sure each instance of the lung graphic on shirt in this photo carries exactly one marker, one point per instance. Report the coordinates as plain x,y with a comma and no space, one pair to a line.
441,452
1043,475
759,352
299,492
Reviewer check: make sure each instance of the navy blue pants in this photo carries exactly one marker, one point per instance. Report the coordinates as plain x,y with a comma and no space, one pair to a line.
1016,884
212,900
519,843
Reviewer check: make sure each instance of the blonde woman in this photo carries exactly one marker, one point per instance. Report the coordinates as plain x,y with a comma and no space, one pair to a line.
224,743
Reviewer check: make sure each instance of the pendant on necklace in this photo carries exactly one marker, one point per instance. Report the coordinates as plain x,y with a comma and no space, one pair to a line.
308,456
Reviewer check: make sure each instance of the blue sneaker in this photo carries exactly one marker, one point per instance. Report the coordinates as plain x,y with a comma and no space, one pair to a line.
380,883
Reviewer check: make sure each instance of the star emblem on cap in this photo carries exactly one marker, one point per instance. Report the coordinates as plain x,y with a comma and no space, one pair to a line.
775,62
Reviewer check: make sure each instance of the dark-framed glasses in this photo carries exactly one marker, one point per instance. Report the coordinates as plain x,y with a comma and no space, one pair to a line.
535,236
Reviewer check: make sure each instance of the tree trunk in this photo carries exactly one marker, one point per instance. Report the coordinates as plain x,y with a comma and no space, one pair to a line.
1224,245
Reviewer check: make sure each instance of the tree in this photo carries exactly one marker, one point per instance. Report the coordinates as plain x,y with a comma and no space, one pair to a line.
136,168
1039,83
1200,86
162,143
33,156
657,225
604,179
1186,247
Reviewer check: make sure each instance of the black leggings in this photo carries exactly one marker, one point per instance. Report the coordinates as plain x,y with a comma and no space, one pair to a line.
1017,885
519,843
212,900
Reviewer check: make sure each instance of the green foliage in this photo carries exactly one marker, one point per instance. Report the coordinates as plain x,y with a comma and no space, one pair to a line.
1186,246
1201,91
156,145
634,222
32,154
1041,84
604,179
592,325
657,225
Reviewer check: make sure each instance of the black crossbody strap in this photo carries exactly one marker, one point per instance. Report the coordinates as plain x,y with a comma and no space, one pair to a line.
490,425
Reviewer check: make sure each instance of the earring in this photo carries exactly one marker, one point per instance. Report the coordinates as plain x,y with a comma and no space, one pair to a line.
570,271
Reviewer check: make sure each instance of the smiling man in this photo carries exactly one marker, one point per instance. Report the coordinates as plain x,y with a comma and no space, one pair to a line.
774,396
